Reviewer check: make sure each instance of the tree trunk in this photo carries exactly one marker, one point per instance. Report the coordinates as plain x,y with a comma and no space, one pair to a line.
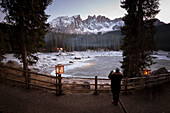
25,64
139,38
23,45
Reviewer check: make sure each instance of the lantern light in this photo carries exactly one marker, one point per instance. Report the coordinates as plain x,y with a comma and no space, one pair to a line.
59,48
59,69
146,71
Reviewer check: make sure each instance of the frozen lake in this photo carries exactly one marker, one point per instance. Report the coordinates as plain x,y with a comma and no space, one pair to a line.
101,67
88,64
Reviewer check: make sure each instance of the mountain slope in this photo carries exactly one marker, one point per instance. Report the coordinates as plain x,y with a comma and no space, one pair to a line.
93,24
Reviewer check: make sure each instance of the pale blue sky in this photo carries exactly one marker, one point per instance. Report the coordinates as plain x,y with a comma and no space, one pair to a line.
108,8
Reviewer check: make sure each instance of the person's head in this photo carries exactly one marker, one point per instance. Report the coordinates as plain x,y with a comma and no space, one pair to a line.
117,70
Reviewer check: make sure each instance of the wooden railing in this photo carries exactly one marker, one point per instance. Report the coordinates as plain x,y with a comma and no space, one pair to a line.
59,84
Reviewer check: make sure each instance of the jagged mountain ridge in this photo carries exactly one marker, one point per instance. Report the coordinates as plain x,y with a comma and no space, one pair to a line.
93,24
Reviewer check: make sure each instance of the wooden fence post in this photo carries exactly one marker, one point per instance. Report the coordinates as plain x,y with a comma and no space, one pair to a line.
158,79
60,85
167,77
126,83
146,81
56,84
95,93
28,80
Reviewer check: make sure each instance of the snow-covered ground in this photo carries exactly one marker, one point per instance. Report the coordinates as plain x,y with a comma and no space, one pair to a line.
85,62
162,55
47,61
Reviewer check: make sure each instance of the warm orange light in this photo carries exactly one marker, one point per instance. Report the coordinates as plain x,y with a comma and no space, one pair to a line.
149,72
146,72
43,49
59,48
59,69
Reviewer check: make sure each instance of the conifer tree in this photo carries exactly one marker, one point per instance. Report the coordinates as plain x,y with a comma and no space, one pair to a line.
28,17
139,35
2,44
4,40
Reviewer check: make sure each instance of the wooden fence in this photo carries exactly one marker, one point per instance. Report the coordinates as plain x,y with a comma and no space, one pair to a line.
58,84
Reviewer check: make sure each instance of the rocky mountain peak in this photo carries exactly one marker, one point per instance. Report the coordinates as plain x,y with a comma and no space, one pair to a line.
93,24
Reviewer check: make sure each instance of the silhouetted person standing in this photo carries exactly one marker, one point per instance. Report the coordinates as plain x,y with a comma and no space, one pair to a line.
116,78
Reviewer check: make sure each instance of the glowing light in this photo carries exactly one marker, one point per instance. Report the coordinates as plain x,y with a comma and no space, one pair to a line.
146,72
59,68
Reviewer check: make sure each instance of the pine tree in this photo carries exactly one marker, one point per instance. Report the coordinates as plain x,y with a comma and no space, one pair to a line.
2,44
138,43
28,17
4,40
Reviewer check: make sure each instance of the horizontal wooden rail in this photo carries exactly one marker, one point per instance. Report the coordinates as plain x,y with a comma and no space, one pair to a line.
26,83
42,75
95,84
81,78
42,87
12,80
16,69
12,74
27,77
43,81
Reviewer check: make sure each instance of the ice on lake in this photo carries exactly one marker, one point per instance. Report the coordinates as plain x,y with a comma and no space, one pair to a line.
88,64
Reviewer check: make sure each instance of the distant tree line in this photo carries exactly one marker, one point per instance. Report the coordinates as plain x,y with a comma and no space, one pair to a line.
75,42
108,41
162,37
72,42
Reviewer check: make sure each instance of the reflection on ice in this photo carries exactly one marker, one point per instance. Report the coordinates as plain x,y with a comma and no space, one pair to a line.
101,66
90,64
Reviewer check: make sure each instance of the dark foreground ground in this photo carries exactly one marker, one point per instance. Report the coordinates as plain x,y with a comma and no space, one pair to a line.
19,100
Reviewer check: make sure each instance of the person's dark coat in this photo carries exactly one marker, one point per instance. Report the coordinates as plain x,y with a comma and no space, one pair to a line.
115,85
115,80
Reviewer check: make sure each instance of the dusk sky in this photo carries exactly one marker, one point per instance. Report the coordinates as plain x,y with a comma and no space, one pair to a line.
108,8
